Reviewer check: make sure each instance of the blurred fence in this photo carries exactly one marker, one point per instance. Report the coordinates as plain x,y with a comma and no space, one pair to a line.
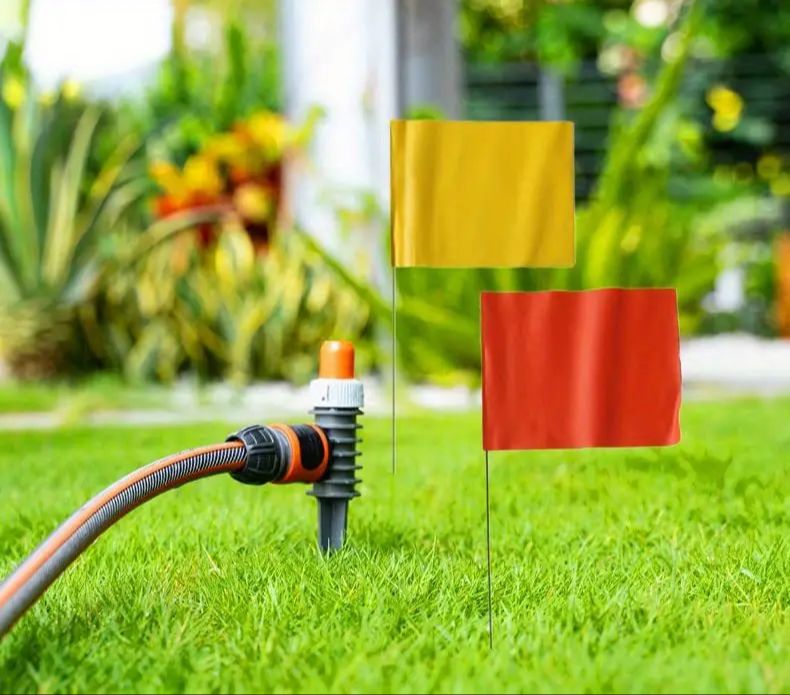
513,91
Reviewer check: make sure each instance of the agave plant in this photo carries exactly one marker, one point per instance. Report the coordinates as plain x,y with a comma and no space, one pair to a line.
46,225
54,226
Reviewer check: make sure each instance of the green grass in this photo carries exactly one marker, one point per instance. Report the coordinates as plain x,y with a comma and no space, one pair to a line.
73,400
646,570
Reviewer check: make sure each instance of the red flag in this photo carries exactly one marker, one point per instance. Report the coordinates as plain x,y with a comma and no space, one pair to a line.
564,370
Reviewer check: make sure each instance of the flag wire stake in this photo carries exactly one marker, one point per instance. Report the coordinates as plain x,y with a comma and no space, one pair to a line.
488,555
394,359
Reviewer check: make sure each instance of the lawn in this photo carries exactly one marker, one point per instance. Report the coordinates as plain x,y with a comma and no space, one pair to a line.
73,399
658,570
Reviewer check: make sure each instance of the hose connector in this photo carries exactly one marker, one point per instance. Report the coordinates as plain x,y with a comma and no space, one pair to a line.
265,455
282,454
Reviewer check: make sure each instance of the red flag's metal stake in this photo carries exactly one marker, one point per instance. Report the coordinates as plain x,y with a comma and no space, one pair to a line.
488,554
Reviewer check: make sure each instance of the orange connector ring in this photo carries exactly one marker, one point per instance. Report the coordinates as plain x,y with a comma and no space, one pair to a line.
299,470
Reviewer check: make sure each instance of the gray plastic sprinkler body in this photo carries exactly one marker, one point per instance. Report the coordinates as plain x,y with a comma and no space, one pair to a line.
338,399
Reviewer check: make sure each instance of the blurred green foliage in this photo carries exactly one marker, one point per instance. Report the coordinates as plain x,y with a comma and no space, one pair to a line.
631,233
87,279
57,218
727,117
225,311
197,94
562,34
556,33
51,218
664,211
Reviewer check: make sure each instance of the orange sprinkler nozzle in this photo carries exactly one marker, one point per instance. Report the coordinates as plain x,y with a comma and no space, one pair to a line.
336,360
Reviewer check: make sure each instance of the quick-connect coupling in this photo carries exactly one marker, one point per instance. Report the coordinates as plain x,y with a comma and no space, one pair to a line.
282,454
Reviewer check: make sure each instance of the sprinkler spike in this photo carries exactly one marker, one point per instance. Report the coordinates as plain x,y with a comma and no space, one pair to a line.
337,401
332,520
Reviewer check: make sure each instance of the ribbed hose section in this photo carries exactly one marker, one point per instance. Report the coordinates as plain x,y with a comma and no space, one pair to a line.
338,486
20,590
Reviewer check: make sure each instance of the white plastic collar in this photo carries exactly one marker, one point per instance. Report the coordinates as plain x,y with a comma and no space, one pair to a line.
337,393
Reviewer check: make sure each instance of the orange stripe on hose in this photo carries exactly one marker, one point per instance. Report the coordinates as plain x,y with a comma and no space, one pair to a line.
61,535
175,483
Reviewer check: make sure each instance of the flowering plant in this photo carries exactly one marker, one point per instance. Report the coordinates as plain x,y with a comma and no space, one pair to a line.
240,170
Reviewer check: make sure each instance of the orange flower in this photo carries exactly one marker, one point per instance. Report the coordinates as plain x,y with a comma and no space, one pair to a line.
240,167
166,205
632,90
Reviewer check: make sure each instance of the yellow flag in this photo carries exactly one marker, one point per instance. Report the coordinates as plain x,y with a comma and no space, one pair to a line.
482,194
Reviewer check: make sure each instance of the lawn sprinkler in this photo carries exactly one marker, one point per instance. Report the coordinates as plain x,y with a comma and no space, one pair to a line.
322,453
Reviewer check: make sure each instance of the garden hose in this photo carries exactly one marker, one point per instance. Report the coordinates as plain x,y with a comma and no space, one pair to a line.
54,555
322,453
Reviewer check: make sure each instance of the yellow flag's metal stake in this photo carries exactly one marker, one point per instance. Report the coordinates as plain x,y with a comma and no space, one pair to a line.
394,360
488,554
